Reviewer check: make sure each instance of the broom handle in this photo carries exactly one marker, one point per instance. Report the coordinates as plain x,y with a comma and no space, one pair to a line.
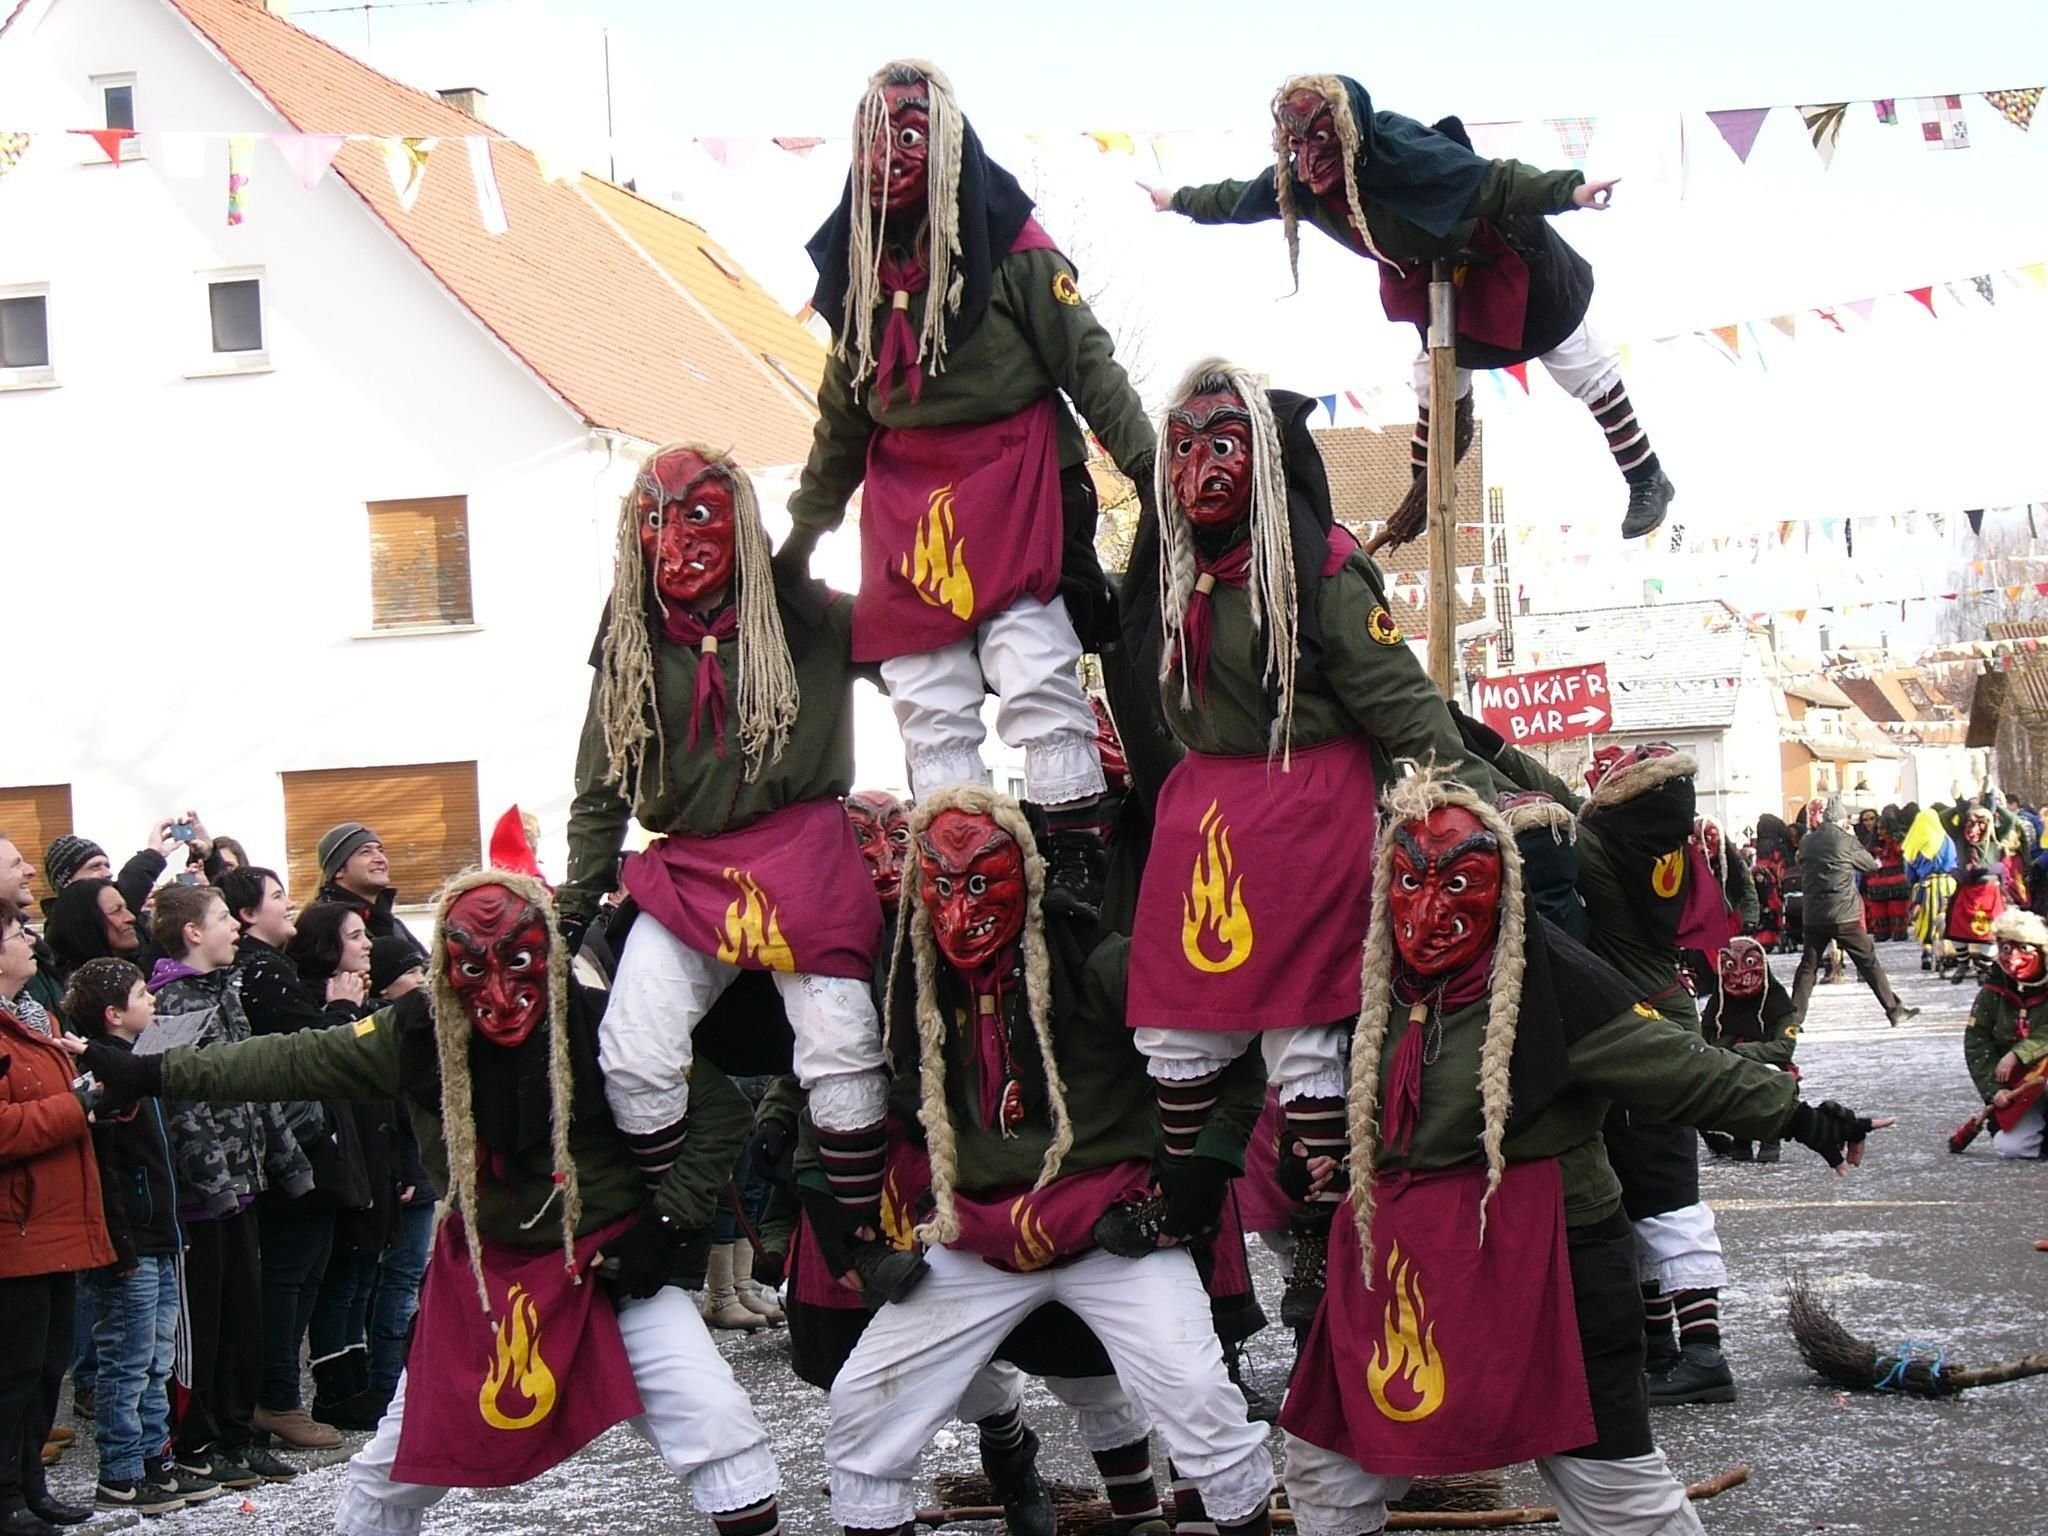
1452,1520
1994,1375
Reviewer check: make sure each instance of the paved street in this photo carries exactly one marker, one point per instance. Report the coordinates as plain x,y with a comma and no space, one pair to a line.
1919,1244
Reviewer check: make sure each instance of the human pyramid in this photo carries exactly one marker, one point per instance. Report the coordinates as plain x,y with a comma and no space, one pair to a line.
1036,1038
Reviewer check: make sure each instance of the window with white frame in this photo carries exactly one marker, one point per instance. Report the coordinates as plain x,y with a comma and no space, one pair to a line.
117,109
232,332
25,336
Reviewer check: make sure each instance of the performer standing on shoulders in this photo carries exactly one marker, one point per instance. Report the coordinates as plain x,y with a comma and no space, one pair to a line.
721,717
957,325
1402,195
1290,686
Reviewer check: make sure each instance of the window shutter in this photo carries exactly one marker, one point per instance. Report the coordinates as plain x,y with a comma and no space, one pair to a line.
32,819
419,562
424,813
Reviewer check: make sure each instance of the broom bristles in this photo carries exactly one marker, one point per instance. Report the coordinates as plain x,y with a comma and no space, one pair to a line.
1840,1357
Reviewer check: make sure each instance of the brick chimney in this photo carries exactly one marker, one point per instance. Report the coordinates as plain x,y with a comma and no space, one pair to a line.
464,98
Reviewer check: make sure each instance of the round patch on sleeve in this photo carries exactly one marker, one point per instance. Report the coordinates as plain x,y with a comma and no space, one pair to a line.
1381,626
1065,290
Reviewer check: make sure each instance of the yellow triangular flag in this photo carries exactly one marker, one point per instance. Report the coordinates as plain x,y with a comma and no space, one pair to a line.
2038,272
406,160
1114,143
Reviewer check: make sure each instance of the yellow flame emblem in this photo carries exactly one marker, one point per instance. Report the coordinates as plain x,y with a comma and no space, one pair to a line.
936,566
753,928
1034,1248
518,1364
1410,1352
1669,874
1214,918
899,1221
1980,924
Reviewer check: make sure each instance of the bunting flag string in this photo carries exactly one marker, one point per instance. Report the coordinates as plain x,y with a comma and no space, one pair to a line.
241,155
308,154
2016,107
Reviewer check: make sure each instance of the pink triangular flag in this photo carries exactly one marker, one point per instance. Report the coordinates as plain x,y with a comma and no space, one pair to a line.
1863,307
1924,295
1739,127
1520,372
800,147
308,154
108,139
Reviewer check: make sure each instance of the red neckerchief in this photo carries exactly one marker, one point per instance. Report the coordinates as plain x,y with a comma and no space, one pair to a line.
2026,999
902,274
1233,568
986,986
682,627
1422,996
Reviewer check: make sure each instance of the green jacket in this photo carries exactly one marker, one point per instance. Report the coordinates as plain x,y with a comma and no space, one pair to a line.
1110,1097
1994,1030
1510,187
379,1058
699,794
1031,342
1617,930
1636,1059
1739,890
1364,686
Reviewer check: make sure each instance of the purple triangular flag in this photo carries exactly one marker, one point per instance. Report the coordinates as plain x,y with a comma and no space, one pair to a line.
1739,127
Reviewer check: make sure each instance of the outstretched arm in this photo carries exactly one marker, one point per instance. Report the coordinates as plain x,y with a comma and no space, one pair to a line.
839,456
1219,202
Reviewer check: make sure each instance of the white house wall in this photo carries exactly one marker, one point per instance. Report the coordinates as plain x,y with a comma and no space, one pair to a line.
189,558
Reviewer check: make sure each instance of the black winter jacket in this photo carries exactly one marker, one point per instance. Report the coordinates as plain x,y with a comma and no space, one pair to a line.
136,1185
1830,859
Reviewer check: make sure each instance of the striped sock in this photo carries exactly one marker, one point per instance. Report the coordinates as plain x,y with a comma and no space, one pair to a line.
1626,439
854,1162
1257,1524
1184,1105
762,1519
1133,1494
1190,1516
1658,1319
1002,1433
1319,1125
653,1152
1699,1317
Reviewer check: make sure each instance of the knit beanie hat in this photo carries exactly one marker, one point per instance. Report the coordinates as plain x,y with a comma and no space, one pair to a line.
390,958
338,843
66,857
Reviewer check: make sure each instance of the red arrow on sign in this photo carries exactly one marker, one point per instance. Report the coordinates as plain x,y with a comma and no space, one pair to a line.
1562,704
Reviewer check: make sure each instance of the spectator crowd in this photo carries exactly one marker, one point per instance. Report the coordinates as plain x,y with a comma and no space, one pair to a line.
185,1263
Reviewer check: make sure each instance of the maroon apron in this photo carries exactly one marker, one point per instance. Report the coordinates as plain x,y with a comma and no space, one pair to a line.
1975,908
956,524
487,1400
1461,1357
1036,1228
785,893
1256,893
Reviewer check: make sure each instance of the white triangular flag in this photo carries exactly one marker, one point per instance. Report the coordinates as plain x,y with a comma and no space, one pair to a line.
406,160
490,206
308,154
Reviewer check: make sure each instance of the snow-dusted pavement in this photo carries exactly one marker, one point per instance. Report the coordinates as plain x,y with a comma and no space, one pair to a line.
1918,1244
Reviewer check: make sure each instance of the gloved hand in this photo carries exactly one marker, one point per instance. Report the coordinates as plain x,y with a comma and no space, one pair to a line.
792,562
573,929
123,1076
1194,1188
643,1259
829,1226
769,1144
1836,1133
1292,1174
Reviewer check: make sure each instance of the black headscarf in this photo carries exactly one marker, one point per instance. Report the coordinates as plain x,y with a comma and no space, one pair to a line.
77,929
993,212
1310,516
1406,167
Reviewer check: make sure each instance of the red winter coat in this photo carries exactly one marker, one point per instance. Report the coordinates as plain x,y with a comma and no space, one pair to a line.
51,1218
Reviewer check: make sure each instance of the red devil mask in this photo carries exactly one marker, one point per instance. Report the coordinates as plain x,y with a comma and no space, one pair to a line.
881,825
1311,130
2022,962
684,507
1816,813
1209,458
1977,827
897,154
1445,900
1609,761
1710,838
970,877
1744,969
497,951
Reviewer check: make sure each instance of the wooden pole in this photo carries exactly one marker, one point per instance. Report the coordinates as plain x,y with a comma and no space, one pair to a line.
1442,474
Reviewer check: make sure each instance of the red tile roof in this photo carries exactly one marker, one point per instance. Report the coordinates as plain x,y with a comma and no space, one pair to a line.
582,307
